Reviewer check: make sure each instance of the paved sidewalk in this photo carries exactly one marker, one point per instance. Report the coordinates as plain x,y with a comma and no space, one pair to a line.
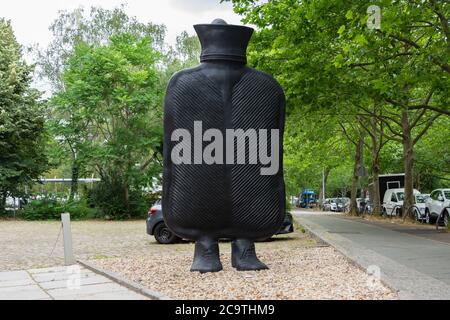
61,283
419,268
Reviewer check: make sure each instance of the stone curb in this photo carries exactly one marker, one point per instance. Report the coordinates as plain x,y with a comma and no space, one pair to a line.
136,287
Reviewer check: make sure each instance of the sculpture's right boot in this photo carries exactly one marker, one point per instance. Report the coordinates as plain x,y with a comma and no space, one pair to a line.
206,256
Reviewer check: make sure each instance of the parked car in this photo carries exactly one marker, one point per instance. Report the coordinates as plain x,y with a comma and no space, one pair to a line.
419,206
364,205
386,182
345,204
288,225
438,203
326,205
163,235
339,204
359,202
333,204
369,206
156,226
393,201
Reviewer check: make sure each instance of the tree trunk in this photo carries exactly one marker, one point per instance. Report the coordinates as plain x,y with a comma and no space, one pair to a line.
127,199
74,182
376,186
408,201
326,173
3,202
375,169
355,179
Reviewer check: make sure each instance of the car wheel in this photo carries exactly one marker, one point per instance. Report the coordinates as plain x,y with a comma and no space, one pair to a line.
417,214
163,235
427,217
446,219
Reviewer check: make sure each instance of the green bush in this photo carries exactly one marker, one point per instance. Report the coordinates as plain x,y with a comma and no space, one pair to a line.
109,198
49,209
80,210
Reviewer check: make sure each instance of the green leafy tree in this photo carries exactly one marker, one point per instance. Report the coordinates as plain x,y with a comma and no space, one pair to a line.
114,97
406,63
394,76
95,27
22,135
185,54
70,29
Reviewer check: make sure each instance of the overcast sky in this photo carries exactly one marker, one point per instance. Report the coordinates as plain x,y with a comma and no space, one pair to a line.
31,18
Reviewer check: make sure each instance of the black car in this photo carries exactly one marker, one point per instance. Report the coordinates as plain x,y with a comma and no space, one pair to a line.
163,235
157,228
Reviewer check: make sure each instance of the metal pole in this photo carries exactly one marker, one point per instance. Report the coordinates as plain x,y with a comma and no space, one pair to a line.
69,259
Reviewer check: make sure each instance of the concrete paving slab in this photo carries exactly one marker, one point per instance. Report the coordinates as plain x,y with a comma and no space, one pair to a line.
49,285
52,283
57,269
116,295
58,276
31,292
13,275
16,283
85,290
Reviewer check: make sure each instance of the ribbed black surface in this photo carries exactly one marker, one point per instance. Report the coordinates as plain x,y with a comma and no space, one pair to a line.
256,199
222,200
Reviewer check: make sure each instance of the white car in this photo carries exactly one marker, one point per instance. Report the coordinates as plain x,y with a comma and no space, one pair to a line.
326,205
439,202
419,206
393,201
333,204
339,204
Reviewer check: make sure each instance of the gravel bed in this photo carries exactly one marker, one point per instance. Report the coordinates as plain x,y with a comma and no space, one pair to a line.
295,273
35,244
298,268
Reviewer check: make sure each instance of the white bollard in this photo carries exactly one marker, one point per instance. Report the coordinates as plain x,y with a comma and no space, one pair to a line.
69,259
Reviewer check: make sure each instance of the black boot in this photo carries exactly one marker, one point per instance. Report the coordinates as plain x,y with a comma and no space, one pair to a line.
243,256
206,256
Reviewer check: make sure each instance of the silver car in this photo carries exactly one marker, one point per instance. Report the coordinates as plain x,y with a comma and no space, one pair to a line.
438,205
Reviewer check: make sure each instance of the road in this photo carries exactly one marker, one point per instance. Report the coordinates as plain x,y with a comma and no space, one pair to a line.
414,261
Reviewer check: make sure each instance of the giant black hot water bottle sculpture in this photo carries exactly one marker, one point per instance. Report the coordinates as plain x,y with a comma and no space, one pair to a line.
223,135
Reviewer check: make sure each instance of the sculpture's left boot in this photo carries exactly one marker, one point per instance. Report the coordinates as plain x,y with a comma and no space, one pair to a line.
206,256
243,256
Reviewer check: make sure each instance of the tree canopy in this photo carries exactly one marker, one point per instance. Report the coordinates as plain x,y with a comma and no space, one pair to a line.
22,135
385,77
